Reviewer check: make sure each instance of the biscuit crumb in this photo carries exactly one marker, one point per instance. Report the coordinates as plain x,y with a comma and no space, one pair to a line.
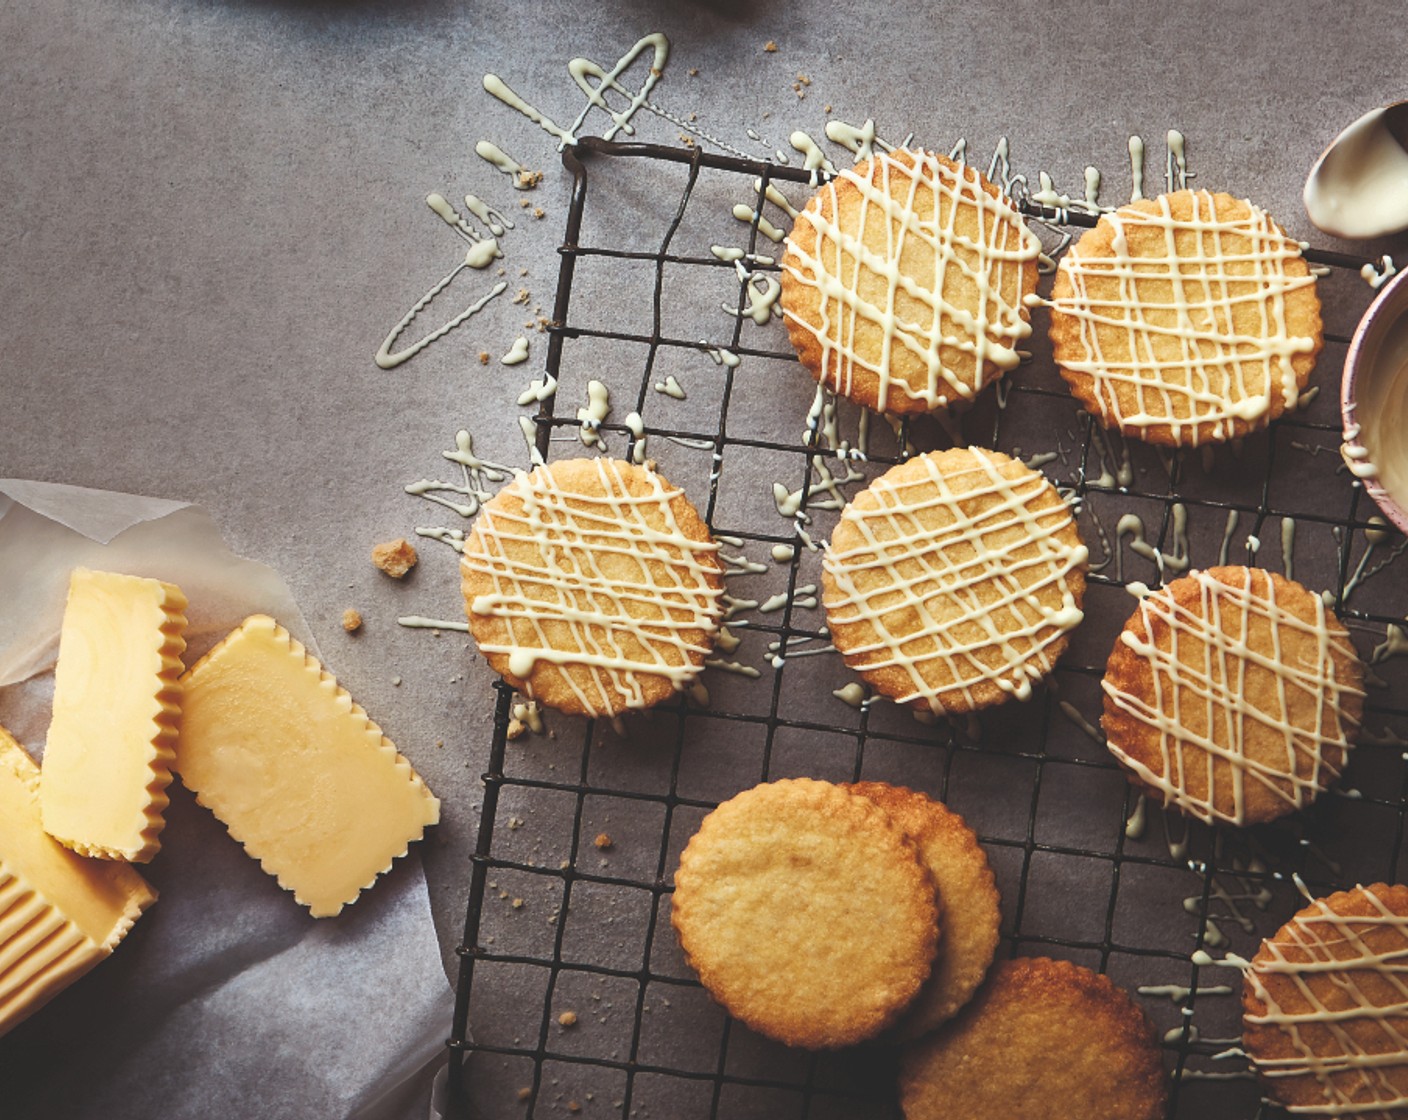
603,841
516,727
517,904
395,558
523,296
567,1019
483,357
351,620
539,212
525,1092
694,71
573,1106
527,180
524,203
770,47
826,108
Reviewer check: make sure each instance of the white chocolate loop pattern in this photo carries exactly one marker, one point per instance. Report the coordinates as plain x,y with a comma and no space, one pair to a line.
1202,662
1343,987
953,579
1187,329
596,577
896,269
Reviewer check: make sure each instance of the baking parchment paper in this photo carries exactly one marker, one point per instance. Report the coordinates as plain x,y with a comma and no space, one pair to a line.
227,998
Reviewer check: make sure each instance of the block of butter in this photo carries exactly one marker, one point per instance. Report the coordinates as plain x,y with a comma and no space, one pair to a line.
117,695
60,914
299,774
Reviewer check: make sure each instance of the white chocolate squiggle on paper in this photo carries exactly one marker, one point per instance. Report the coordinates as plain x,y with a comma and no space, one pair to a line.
939,550
1212,267
564,600
927,324
1203,657
1353,1042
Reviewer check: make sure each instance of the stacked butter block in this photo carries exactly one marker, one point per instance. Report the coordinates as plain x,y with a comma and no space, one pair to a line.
258,729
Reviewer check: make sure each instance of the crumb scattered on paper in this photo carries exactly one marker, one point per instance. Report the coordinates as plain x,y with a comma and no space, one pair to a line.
351,620
395,558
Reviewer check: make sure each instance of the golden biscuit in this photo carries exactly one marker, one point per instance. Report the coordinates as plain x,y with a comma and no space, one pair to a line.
904,283
1185,319
806,912
592,586
1325,1022
952,582
1042,1040
1232,695
967,894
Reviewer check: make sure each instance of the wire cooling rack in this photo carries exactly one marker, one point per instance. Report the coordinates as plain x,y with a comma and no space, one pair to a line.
639,1036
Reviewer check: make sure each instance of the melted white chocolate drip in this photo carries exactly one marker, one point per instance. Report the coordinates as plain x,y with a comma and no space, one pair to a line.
1219,374
1201,657
990,265
920,568
567,609
1352,1042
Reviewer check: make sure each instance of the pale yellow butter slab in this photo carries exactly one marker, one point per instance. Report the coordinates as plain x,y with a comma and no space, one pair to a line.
298,773
117,695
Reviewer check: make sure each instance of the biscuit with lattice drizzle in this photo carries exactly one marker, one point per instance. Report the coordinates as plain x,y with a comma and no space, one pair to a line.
1041,1040
904,283
952,582
806,912
592,586
1325,1006
968,896
1232,695
1186,319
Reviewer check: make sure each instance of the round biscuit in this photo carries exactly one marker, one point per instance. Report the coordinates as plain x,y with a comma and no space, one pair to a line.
592,586
1042,1040
1185,319
1232,695
968,899
952,582
1324,1021
806,913
905,280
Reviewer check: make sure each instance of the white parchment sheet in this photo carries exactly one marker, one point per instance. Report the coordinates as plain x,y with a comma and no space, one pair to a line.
226,999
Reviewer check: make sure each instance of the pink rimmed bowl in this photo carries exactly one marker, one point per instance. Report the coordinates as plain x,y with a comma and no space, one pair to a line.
1378,353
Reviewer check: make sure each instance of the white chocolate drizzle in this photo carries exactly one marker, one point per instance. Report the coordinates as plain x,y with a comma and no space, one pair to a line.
570,607
597,409
670,387
1351,973
1218,374
989,265
517,353
926,573
1200,661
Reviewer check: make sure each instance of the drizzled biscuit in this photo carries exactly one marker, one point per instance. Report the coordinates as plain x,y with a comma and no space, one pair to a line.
806,912
967,891
592,586
904,282
1232,695
1324,1020
1186,319
1041,1039
953,581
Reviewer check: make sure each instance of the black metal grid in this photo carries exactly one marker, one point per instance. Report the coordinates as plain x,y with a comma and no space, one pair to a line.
812,1086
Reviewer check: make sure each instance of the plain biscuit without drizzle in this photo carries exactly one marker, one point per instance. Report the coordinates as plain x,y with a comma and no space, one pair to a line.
806,912
968,896
1042,1040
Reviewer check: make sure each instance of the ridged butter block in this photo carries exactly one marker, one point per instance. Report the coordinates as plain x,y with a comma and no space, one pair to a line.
117,702
299,774
60,914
